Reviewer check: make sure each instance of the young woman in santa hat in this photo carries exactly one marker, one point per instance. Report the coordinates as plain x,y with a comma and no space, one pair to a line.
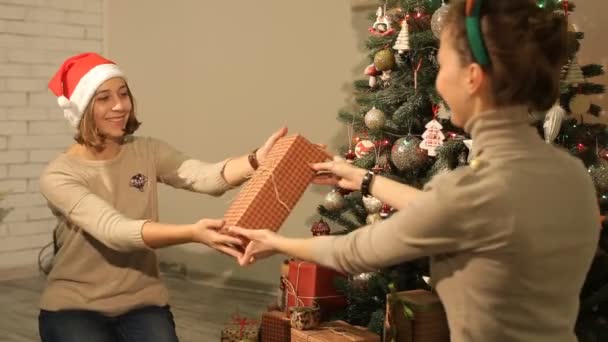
104,284
511,236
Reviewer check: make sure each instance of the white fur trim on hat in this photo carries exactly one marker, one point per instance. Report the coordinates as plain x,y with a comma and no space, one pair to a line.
74,107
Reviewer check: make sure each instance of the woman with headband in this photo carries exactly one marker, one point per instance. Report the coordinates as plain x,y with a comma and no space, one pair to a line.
511,237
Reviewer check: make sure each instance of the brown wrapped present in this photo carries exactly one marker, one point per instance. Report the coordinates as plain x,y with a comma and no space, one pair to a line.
268,197
276,327
334,331
240,329
415,316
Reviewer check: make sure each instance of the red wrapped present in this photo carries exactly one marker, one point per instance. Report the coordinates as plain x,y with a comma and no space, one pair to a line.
311,285
335,331
276,327
415,316
268,197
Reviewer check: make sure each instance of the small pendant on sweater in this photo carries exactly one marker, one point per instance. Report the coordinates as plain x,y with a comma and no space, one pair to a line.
474,164
138,181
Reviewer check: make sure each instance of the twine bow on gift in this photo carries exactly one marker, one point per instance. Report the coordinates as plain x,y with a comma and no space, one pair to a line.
242,322
263,169
340,331
291,289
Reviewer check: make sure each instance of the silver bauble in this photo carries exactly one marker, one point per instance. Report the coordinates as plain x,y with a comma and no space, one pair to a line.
333,201
407,155
372,204
373,218
438,19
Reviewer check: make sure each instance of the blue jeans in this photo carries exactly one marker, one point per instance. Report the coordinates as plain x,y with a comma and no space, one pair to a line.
150,324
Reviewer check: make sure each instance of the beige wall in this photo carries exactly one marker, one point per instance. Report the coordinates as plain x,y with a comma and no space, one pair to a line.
589,18
215,80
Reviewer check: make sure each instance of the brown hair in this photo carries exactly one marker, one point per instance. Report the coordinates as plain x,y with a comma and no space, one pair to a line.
88,134
526,45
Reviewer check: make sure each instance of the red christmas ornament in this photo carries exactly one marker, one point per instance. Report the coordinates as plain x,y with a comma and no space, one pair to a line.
604,154
385,211
350,156
320,228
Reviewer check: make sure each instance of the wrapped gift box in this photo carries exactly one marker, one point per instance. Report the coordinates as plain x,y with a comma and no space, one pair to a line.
334,331
267,198
428,322
312,285
240,329
276,327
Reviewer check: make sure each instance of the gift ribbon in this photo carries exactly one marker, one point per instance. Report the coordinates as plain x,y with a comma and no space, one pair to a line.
242,323
346,333
291,289
416,74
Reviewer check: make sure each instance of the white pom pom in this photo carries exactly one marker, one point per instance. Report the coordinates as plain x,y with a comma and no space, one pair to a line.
64,102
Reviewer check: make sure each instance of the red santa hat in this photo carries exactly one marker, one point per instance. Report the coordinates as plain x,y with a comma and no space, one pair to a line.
76,81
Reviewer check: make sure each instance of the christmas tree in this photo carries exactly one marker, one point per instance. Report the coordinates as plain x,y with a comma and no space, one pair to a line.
400,128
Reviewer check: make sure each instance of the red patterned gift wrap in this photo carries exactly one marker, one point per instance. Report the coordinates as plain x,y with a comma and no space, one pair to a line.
312,285
266,200
276,327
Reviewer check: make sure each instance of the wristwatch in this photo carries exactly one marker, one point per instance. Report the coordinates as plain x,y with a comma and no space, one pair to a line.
366,183
253,159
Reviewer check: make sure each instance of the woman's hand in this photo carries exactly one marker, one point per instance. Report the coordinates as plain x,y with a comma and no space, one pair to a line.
206,231
263,151
262,244
339,173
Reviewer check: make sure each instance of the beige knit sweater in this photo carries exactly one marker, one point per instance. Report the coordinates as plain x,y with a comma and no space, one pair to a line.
510,240
103,264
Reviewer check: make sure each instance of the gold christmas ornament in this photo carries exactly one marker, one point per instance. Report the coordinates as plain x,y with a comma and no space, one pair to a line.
599,174
375,119
384,60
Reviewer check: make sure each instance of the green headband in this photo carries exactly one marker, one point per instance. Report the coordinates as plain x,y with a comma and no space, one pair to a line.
473,27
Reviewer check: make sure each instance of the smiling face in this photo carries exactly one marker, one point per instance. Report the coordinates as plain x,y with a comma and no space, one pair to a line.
112,106
109,116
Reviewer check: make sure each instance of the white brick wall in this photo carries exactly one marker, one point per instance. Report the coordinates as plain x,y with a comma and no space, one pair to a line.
35,37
